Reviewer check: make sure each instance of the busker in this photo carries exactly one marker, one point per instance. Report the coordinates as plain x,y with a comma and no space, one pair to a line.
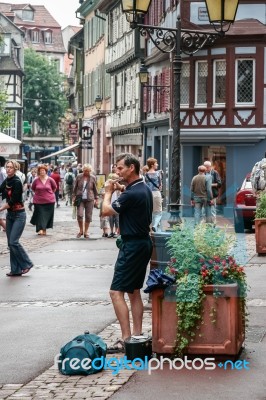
134,207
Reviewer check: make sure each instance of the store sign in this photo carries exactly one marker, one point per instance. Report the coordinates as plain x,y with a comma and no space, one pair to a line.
73,131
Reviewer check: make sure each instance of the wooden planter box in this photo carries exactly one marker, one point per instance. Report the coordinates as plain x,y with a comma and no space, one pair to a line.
260,235
225,337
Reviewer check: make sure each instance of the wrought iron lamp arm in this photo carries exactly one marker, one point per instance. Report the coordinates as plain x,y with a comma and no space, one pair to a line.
165,38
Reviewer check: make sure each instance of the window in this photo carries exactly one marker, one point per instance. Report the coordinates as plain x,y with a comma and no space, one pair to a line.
5,45
201,82
27,15
35,37
184,83
48,39
219,84
245,81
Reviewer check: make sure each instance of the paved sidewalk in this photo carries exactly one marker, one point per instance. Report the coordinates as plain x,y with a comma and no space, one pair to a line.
52,385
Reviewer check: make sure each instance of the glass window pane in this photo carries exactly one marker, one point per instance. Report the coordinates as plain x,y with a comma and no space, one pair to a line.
184,83
219,81
245,81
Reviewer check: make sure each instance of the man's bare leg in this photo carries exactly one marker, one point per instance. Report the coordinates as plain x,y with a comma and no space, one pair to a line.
137,311
122,312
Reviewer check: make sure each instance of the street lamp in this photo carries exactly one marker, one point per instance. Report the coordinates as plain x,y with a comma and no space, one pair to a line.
98,105
144,79
177,41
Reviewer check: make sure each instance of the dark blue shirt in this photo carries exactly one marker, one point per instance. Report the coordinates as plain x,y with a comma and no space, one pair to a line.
134,207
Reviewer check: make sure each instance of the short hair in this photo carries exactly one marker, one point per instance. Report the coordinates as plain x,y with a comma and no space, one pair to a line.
207,163
41,166
151,161
14,163
87,166
202,168
70,169
129,159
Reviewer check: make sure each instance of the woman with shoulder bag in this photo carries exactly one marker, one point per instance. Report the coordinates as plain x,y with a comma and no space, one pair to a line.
154,182
12,192
85,196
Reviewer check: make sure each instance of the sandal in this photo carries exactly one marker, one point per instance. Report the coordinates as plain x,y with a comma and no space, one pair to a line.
118,347
40,232
26,270
86,235
79,235
11,274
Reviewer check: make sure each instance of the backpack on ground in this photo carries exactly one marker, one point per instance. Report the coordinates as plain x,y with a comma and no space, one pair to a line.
69,179
76,357
258,175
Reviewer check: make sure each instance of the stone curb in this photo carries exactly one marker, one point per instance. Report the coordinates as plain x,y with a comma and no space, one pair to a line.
51,384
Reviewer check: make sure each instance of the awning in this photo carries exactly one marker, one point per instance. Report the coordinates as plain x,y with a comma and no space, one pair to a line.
8,145
73,146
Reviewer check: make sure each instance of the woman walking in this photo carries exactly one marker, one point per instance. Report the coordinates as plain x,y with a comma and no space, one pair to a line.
12,191
85,195
154,182
44,188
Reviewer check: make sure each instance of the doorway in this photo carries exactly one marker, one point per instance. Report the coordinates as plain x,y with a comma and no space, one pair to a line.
217,155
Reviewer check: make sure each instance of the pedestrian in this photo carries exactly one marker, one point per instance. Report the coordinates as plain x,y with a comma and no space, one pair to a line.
2,201
114,219
154,182
31,176
216,183
62,173
69,184
44,188
258,177
104,221
201,195
12,191
134,207
56,177
85,196
113,171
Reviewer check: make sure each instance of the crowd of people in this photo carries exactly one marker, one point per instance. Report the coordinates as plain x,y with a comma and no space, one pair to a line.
130,205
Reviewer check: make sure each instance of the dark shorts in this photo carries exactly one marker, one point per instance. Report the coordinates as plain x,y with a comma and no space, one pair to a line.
131,265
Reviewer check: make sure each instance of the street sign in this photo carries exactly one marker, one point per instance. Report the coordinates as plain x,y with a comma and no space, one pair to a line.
85,144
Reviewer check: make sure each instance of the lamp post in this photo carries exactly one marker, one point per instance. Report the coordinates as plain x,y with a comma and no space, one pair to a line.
177,41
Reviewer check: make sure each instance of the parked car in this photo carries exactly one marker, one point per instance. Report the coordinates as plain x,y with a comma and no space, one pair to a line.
244,206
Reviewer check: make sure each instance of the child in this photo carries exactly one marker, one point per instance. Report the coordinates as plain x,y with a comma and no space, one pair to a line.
104,221
114,219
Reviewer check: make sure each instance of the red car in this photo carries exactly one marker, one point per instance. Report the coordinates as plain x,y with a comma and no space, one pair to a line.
244,206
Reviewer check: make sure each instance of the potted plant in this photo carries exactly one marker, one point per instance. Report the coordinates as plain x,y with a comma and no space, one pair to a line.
205,312
260,224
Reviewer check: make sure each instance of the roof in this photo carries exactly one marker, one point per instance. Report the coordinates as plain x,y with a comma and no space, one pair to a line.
42,16
43,20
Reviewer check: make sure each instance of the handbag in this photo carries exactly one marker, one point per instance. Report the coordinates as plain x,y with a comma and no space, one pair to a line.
78,198
77,201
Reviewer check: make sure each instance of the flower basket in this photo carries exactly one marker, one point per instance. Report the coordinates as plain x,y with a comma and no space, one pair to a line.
225,336
205,312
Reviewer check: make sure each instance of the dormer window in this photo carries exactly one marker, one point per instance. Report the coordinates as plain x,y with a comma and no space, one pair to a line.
35,36
47,37
27,15
5,45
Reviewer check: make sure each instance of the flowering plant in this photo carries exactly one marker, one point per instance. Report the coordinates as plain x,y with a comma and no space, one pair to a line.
200,256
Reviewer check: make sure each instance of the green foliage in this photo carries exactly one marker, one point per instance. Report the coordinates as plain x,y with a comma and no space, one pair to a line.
4,116
45,83
199,256
261,206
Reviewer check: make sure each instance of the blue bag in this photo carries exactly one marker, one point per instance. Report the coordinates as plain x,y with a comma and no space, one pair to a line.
77,356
